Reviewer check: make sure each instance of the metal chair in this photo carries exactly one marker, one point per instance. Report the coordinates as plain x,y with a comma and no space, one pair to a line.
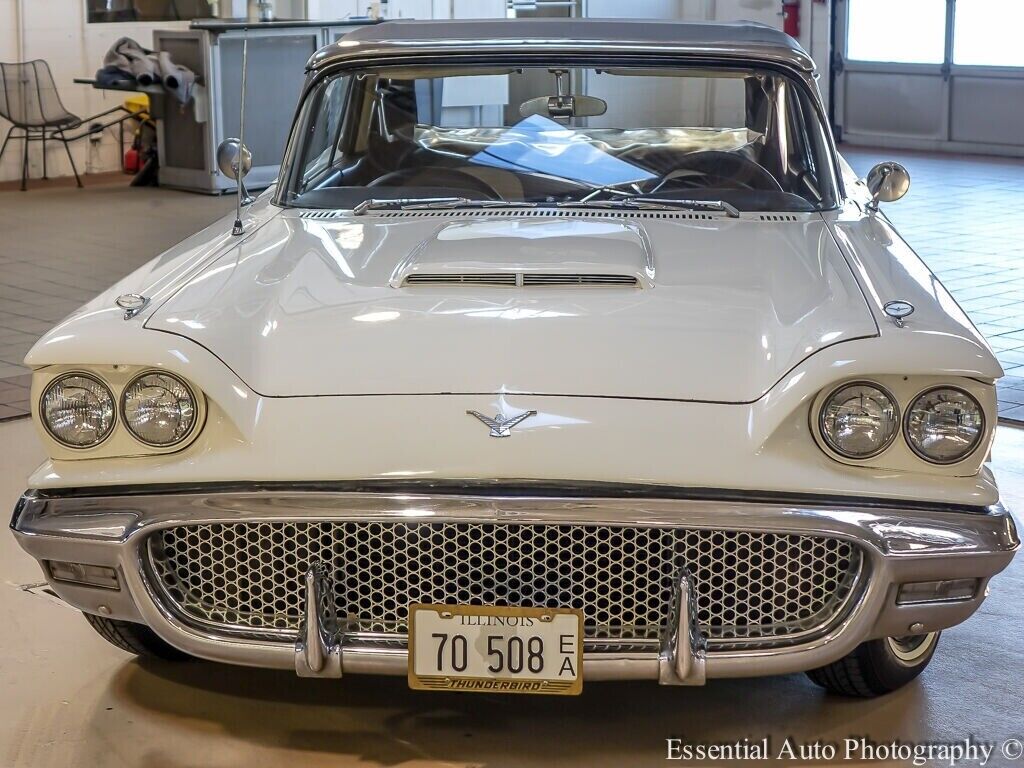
29,100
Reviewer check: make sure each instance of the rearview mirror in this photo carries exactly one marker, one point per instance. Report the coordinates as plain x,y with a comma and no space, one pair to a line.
230,153
887,183
562,108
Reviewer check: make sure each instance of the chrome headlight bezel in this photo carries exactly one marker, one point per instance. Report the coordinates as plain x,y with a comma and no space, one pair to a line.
982,430
830,446
123,412
111,429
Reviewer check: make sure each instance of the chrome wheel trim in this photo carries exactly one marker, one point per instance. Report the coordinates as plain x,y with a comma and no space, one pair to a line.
910,649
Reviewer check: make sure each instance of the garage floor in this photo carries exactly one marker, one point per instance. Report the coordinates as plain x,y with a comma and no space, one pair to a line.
62,246
960,218
71,700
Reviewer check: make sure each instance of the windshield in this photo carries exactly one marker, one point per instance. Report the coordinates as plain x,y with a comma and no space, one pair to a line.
745,138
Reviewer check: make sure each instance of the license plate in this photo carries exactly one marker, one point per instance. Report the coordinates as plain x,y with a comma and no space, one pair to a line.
495,650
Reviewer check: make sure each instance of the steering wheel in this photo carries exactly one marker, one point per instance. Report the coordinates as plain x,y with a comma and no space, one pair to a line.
703,169
435,176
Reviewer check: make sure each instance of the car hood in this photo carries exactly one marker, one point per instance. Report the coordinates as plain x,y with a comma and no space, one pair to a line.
686,307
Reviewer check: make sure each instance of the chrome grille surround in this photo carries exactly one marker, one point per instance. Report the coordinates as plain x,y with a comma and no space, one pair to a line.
753,589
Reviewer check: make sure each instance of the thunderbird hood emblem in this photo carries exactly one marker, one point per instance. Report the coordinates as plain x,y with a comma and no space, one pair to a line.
501,426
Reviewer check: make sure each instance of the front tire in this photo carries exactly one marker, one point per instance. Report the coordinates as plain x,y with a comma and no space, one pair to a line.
135,638
878,667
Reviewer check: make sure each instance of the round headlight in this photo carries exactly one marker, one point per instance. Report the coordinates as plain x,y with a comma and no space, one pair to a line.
77,410
859,420
158,409
945,425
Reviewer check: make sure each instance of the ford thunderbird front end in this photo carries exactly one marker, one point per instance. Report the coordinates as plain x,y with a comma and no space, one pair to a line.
562,351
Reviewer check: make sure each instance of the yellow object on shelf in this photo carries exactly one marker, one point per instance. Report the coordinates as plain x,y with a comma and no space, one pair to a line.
138,103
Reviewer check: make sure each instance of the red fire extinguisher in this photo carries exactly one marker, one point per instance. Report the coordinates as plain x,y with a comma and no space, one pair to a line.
791,17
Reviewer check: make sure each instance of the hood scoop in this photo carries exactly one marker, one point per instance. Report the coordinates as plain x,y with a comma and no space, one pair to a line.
508,253
521,279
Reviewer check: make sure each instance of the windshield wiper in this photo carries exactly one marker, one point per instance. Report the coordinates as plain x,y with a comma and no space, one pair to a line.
428,203
656,204
641,203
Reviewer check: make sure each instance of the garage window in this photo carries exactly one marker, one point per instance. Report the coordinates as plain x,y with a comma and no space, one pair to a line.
921,25
987,33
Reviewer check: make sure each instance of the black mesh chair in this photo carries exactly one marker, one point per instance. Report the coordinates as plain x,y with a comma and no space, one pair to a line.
29,100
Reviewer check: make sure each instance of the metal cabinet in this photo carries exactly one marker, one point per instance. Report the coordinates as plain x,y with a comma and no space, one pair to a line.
188,135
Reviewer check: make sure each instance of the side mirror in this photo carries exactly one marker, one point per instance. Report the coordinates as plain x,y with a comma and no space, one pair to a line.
887,183
231,154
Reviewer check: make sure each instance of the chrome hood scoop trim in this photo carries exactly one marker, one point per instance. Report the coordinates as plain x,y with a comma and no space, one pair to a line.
530,252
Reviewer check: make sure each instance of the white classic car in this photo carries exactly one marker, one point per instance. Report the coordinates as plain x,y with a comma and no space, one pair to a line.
561,350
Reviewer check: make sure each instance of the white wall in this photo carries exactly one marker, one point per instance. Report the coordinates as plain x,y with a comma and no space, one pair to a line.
814,19
55,30
814,25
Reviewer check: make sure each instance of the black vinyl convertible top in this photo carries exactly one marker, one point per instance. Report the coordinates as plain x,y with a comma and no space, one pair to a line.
734,40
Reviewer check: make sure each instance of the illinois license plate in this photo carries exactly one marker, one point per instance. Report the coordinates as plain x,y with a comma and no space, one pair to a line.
495,650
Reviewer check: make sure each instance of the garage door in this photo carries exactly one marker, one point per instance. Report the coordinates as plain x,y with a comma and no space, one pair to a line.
931,74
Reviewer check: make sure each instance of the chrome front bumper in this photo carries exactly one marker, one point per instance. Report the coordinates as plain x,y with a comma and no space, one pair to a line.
900,545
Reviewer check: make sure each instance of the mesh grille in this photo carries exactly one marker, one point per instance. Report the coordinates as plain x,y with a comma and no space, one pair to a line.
248,576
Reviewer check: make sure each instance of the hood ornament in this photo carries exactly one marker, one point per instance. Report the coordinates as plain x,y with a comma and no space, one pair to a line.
500,425
132,304
898,310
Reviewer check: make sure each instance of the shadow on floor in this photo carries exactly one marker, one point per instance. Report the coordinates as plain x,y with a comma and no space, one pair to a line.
380,721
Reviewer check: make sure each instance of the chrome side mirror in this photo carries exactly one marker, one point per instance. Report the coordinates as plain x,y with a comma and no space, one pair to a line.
887,183
230,154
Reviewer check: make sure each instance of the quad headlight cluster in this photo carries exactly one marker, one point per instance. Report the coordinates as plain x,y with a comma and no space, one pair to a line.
79,411
943,425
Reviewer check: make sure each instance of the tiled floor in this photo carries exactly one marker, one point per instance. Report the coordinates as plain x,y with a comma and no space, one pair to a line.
62,246
59,247
962,217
